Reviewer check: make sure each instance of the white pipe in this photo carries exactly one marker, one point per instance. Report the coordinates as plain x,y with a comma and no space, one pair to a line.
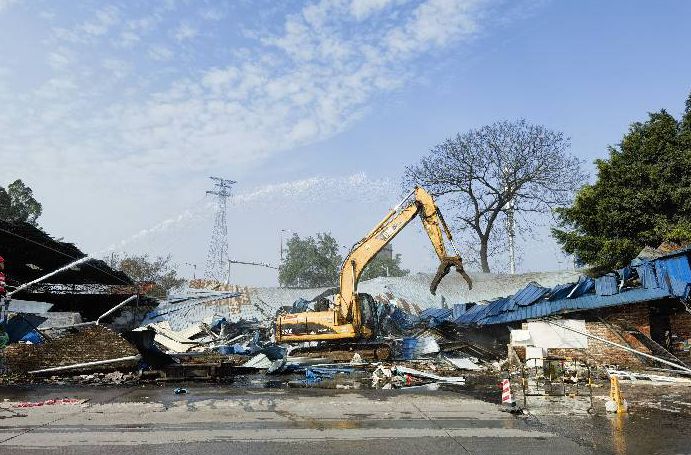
626,348
86,364
60,327
55,272
97,321
116,307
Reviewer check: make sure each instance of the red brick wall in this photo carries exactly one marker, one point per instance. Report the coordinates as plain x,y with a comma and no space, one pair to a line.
680,322
602,353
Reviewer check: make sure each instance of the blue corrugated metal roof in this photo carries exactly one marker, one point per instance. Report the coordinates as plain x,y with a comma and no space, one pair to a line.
669,276
560,291
646,274
674,273
585,285
546,307
436,313
528,295
607,285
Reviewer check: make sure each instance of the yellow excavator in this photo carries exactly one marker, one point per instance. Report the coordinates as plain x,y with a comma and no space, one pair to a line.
345,319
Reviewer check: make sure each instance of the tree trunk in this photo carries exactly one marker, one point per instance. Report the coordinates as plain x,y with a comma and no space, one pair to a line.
483,255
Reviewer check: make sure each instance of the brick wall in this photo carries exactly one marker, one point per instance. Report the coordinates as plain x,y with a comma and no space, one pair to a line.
86,345
612,330
680,322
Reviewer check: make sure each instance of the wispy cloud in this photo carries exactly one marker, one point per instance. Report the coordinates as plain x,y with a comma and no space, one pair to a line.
185,32
5,4
304,82
130,103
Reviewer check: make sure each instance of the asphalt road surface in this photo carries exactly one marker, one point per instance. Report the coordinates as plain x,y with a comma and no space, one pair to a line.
218,420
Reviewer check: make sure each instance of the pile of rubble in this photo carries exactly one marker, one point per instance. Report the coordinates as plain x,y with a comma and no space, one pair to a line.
216,335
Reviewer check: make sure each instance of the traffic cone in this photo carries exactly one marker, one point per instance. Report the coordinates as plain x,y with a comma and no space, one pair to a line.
616,402
506,395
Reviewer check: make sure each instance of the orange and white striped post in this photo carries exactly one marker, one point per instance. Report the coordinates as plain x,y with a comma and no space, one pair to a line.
506,395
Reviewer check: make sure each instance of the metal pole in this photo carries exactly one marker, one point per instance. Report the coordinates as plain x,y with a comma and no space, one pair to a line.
115,308
626,348
97,321
511,227
86,364
55,272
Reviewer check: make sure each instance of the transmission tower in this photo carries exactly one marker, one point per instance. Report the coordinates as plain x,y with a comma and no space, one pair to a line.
217,258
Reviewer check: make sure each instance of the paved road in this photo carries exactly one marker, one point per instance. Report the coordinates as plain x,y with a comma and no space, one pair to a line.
217,420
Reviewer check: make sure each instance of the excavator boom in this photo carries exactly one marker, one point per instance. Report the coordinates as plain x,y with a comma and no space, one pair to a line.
345,320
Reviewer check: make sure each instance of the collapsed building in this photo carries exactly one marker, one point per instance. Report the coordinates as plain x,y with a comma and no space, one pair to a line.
644,306
209,329
77,294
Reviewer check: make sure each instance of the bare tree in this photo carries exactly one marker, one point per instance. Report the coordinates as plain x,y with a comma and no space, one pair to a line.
505,166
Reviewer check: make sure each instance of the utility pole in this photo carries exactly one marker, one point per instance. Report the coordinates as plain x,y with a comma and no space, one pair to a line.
511,229
194,267
510,225
218,245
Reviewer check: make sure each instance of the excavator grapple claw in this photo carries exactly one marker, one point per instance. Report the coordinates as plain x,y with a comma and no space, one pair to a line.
443,270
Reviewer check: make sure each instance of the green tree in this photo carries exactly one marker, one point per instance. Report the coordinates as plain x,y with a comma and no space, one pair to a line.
159,272
384,266
310,262
642,195
17,204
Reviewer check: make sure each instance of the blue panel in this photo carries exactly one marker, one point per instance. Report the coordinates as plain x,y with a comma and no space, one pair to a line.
646,273
588,302
675,274
435,316
560,291
584,286
529,294
436,313
626,273
497,306
458,310
403,320
607,285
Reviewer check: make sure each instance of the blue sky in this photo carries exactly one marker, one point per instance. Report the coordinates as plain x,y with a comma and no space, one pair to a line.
115,113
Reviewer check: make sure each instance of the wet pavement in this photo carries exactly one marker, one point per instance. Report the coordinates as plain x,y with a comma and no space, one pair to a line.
269,419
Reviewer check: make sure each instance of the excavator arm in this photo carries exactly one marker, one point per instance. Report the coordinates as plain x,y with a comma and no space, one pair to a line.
345,320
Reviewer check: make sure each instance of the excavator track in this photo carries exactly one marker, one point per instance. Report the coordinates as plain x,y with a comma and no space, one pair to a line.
371,351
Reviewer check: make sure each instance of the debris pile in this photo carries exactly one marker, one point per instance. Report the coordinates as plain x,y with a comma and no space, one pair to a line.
557,339
90,344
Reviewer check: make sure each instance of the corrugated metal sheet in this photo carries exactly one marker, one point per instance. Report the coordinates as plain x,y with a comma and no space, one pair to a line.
458,310
674,273
28,306
607,285
646,274
585,285
528,295
498,306
438,314
203,306
560,291
668,276
587,302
